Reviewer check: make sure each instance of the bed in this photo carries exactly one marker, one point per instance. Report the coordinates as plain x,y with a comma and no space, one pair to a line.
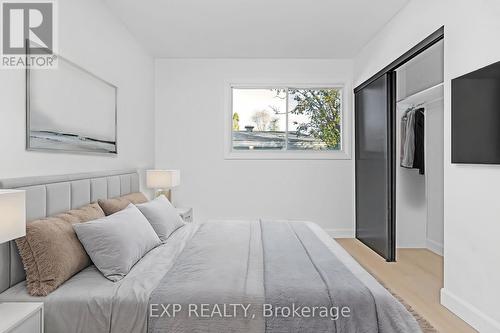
219,276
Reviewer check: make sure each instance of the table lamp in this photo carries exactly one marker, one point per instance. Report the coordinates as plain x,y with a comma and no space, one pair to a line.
12,214
163,181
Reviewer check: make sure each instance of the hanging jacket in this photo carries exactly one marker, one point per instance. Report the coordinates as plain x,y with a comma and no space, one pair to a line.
419,130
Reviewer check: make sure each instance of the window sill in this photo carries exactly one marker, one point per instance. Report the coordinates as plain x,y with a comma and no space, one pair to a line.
289,155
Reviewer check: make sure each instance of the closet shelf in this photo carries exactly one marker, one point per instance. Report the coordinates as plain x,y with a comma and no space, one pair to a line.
424,96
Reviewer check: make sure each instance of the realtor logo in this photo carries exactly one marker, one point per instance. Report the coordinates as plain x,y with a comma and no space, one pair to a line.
28,34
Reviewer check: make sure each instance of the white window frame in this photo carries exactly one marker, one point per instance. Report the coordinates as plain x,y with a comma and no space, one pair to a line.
343,154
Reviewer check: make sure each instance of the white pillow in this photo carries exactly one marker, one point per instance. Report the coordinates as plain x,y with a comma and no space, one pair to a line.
118,241
162,215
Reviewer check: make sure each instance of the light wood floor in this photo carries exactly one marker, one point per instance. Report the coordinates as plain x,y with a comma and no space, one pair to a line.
417,277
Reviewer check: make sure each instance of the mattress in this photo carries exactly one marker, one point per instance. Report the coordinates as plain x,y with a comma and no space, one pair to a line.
88,302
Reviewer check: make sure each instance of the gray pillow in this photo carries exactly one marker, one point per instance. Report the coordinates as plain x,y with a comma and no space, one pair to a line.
162,215
116,242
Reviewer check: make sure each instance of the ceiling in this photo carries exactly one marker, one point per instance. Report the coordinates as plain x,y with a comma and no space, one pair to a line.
254,28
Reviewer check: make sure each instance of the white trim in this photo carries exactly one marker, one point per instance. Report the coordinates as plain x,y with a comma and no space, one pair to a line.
287,155
343,154
436,92
340,233
470,314
434,246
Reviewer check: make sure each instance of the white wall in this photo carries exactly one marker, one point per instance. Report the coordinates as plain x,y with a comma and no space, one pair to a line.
411,205
472,212
419,198
190,115
434,182
92,37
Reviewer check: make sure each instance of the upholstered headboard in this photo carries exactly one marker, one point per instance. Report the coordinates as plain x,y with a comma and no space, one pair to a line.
46,196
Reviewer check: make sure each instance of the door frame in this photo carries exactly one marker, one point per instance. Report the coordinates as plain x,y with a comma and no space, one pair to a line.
390,70
430,40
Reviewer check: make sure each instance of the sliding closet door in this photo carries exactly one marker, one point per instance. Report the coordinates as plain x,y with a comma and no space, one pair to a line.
374,170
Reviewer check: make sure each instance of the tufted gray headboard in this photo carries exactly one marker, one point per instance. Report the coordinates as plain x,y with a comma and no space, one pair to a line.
49,195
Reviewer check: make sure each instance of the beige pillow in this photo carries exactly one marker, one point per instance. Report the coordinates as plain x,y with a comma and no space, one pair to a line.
51,252
111,206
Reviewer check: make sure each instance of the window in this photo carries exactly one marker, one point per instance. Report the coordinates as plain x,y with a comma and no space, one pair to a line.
289,119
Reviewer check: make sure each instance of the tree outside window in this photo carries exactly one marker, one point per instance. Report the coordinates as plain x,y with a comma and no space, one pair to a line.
287,119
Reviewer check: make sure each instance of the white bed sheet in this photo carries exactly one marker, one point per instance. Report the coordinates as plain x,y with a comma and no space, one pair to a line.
88,302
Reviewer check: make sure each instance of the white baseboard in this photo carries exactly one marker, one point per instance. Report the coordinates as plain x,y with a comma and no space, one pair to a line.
411,245
340,233
435,246
469,313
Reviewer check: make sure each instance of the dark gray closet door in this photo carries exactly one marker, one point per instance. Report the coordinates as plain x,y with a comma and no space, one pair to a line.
374,172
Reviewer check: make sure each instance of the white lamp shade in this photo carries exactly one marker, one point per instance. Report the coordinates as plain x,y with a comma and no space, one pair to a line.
12,215
163,179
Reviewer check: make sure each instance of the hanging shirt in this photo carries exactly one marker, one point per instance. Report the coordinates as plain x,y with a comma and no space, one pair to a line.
409,141
404,120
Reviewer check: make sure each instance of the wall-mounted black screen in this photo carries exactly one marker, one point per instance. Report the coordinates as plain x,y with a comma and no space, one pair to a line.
475,117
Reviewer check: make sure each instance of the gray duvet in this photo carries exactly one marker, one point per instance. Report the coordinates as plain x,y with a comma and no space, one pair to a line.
232,276
274,277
